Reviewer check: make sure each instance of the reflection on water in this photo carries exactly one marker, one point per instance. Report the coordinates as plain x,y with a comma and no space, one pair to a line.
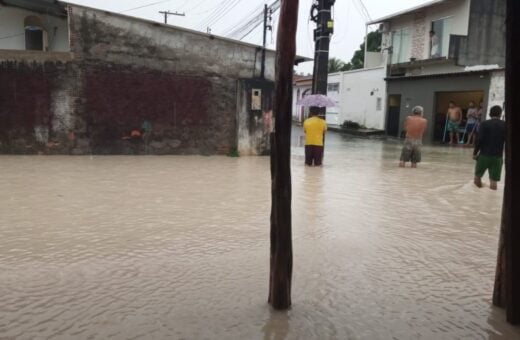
177,247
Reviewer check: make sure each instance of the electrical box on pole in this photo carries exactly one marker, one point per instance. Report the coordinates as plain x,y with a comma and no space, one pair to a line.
321,14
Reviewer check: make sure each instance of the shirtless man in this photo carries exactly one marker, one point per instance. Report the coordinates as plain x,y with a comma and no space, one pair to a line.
414,126
454,118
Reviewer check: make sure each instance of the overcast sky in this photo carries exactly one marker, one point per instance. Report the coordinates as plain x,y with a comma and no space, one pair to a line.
349,22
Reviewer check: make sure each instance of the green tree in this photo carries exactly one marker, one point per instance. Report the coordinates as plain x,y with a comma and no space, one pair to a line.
374,45
335,65
358,60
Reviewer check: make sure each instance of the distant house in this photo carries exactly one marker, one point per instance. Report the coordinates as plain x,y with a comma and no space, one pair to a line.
359,96
302,86
441,51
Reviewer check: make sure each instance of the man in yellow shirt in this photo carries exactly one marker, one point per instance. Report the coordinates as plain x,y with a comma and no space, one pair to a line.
315,129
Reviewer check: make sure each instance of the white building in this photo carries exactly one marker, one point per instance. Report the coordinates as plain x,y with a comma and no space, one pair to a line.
359,95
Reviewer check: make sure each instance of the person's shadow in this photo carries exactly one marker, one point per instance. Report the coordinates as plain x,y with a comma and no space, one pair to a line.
276,326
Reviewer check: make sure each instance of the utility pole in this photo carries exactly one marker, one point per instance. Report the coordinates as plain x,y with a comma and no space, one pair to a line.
321,15
167,13
267,26
281,260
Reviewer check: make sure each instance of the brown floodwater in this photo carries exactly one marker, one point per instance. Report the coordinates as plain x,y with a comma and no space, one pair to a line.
116,247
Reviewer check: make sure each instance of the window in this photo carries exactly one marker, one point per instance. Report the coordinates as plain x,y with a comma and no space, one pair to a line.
333,87
440,37
35,34
401,46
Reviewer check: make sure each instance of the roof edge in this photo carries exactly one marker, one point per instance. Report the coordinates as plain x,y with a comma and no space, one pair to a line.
444,75
405,11
298,59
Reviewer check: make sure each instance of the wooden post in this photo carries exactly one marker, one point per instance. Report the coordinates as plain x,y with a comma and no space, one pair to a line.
512,194
507,286
281,234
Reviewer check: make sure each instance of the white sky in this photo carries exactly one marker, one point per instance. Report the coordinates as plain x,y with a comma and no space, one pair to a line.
349,23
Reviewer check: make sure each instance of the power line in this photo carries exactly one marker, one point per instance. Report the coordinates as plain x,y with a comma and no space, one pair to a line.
246,19
226,10
218,11
144,6
153,4
274,7
253,18
12,36
245,29
197,5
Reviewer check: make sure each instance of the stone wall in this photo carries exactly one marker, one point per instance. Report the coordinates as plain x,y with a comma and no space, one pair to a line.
124,71
419,34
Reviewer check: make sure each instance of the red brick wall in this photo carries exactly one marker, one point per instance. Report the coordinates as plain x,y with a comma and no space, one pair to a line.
25,101
118,98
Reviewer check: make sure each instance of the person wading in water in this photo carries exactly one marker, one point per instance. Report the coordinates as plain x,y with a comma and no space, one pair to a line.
414,126
315,129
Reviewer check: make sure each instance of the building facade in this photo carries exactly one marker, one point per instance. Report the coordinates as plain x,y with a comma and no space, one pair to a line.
79,80
442,51
359,96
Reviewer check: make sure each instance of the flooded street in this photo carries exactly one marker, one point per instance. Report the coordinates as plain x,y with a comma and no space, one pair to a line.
177,247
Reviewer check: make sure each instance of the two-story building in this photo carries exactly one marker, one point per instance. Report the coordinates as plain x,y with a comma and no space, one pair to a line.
442,51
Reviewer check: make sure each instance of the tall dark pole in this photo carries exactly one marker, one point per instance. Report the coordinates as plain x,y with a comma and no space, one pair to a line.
281,224
512,193
267,26
321,15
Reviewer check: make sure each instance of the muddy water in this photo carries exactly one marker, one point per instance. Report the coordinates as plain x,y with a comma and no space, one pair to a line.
177,248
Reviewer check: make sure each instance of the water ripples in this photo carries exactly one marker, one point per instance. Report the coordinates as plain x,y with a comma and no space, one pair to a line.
177,247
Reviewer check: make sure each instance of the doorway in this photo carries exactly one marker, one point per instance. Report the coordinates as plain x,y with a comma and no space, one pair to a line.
394,113
462,100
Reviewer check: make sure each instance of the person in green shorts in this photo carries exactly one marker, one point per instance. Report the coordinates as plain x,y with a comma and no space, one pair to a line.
454,118
489,149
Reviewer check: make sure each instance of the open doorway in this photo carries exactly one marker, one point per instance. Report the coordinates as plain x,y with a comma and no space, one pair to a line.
394,112
462,100
35,34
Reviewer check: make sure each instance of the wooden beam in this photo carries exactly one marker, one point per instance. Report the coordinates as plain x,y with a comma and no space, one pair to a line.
281,192
512,193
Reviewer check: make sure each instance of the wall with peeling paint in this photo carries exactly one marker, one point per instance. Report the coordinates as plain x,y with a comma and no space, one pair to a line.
121,71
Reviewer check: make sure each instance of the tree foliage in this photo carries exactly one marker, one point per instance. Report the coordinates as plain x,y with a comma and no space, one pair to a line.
358,60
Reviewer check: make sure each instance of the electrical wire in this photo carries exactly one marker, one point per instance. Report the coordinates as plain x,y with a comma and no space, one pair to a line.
244,21
221,8
223,12
273,7
12,36
144,6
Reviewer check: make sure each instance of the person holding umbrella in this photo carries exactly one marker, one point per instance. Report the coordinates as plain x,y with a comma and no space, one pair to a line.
315,128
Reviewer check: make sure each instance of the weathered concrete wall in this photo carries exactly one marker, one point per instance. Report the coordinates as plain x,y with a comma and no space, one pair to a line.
37,102
254,123
184,82
124,71
486,40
